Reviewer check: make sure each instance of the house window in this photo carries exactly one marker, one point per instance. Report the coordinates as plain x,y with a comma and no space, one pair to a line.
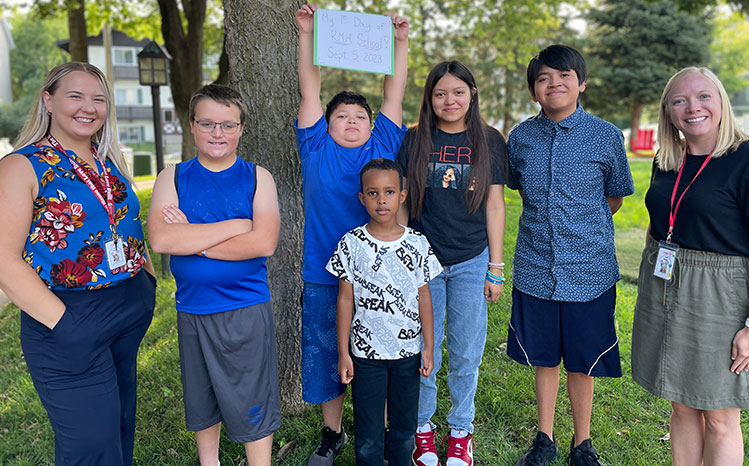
131,133
124,57
168,115
131,96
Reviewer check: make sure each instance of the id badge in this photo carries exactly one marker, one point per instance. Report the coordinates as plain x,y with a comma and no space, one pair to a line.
115,250
664,263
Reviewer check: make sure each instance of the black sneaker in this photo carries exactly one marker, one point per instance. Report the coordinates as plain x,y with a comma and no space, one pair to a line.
329,447
542,452
583,454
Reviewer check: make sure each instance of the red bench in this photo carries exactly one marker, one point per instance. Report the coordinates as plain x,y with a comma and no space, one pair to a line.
644,143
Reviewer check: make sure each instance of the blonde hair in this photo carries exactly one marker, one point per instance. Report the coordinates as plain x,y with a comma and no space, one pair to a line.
38,120
671,143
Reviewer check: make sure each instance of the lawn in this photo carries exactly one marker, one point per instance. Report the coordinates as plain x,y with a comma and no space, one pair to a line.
629,426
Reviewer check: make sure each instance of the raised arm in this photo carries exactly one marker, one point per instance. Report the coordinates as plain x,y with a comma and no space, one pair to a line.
262,240
310,107
395,84
182,239
20,282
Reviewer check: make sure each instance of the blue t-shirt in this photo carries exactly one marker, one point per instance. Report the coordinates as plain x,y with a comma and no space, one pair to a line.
565,246
330,188
69,225
205,285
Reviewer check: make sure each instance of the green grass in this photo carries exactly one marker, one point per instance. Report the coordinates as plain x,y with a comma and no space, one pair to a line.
628,424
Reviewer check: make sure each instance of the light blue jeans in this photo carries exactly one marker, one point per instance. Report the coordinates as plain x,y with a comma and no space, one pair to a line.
460,312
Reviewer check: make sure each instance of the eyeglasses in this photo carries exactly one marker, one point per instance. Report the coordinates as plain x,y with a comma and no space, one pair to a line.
207,126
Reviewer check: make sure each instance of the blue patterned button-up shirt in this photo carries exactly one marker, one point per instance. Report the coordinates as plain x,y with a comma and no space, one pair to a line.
565,246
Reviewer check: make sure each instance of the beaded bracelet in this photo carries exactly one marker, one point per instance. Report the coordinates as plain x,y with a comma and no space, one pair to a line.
491,278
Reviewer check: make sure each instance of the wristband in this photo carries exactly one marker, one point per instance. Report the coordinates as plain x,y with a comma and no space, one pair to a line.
746,322
491,278
496,264
202,253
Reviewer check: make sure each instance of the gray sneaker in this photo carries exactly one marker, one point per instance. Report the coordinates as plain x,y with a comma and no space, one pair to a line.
542,452
329,447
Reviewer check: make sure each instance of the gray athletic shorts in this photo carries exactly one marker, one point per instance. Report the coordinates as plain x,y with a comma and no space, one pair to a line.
230,371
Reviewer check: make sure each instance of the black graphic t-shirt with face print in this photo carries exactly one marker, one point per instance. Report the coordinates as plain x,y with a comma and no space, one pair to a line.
455,235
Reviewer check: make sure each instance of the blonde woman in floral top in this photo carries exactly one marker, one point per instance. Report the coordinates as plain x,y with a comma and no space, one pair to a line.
72,256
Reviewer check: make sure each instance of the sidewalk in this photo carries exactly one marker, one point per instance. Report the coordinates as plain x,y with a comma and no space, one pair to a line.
145,184
140,185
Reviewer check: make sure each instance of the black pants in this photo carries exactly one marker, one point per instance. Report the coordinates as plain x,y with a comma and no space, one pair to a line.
85,370
375,382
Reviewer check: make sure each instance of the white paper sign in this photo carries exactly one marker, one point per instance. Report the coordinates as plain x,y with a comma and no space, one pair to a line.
354,41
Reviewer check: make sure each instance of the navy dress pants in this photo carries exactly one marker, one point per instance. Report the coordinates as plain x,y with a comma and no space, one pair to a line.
85,369
374,382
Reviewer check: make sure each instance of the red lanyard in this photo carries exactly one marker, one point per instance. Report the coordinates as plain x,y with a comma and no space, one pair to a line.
85,176
672,211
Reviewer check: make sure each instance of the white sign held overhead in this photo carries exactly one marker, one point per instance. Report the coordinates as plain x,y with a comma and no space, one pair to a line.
354,41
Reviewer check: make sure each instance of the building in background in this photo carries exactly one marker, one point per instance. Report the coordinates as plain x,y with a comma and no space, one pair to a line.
6,45
740,104
133,101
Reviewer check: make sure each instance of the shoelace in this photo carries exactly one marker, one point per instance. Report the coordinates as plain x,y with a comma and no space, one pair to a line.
425,441
533,454
457,448
588,457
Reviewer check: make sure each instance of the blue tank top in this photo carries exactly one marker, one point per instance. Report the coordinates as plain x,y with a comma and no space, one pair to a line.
69,226
209,286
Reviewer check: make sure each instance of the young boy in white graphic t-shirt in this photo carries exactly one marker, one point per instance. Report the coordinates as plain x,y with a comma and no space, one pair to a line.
384,309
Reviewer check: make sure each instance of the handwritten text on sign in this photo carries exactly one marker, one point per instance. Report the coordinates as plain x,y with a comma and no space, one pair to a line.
354,41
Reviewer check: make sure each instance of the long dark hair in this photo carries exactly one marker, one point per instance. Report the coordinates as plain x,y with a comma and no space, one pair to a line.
421,144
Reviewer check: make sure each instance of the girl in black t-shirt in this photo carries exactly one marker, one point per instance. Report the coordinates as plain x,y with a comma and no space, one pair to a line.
454,164
690,341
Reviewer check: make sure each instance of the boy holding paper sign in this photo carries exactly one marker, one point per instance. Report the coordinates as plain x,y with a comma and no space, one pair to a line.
333,149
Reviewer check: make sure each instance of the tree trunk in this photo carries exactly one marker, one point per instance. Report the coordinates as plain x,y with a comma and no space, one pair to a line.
635,125
186,65
223,67
262,46
509,99
77,30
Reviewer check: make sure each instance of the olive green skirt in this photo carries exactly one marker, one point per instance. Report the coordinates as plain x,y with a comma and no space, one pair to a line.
684,329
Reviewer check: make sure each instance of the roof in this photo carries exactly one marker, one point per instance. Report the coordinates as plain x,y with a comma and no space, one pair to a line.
119,39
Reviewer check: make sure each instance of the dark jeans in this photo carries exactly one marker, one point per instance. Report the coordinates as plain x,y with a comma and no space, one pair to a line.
375,382
85,370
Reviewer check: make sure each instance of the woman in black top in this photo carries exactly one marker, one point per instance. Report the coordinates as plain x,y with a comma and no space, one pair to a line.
690,343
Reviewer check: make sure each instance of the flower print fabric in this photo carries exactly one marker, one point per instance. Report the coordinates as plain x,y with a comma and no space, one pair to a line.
70,226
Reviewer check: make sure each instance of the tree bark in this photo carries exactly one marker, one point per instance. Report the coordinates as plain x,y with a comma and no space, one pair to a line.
77,30
509,98
261,42
186,65
223,67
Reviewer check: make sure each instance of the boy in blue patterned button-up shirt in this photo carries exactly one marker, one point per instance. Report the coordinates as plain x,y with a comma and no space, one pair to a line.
571,170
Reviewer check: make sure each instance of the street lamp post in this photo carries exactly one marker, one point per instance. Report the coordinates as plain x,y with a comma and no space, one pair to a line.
152,71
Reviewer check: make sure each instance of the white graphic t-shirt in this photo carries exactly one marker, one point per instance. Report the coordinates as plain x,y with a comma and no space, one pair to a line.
386,276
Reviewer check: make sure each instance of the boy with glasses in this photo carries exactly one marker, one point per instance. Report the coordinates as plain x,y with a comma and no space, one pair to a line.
217,215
